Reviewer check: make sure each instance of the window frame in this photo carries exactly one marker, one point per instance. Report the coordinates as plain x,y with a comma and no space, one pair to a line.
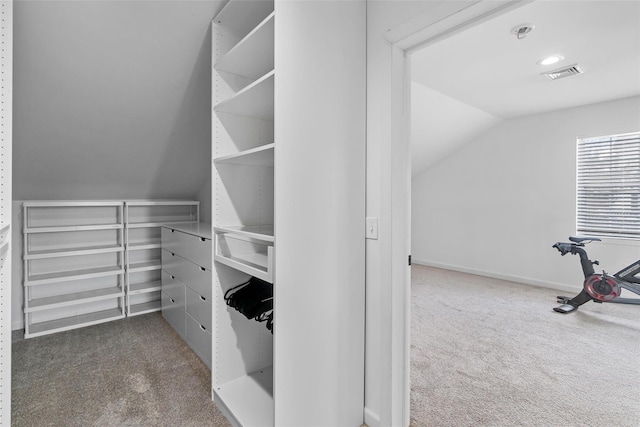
608,186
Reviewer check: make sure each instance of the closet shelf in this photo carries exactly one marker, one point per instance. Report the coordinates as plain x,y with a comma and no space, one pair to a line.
64,276
255,100
147,307
142,245
154,224
249,399
65,300
67,228
250,258
143,288
73,322
56,253
253,56
259,156
154,264
263,233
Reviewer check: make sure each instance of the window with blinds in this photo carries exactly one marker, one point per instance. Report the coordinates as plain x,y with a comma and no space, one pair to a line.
609,186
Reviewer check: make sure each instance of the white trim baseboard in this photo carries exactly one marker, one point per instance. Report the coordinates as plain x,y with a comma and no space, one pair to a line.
518,279
371,419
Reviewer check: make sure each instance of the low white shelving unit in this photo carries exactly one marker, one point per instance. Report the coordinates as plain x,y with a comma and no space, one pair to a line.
73,264
143,222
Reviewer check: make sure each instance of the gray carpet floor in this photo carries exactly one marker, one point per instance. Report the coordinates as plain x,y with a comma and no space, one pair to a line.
484,352
131,372
488,352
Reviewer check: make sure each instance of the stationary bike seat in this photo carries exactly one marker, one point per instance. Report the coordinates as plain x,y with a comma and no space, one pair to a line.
578,239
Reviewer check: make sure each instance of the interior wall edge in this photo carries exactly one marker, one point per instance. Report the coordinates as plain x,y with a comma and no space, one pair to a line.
495,275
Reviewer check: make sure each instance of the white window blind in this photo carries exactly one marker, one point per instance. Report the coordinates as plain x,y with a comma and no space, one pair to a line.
609,186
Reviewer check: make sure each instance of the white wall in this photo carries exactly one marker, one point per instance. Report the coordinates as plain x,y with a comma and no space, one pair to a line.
497,205
386,258
112,99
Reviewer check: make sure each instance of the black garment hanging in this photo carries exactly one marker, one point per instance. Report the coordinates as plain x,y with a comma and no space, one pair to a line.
254,299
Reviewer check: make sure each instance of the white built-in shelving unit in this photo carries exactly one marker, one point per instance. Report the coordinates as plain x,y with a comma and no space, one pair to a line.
143,220
243,187
73,264
93,261
288,139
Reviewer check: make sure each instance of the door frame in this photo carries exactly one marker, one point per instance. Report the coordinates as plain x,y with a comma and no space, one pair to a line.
448,19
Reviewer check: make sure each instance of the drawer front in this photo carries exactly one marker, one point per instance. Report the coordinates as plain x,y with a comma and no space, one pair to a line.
192,275
199,308
199,339
174,314
188,246
174,289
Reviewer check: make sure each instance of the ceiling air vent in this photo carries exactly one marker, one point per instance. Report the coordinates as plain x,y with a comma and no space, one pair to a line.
571,70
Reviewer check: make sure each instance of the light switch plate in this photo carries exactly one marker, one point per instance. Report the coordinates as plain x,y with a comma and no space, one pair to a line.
371,231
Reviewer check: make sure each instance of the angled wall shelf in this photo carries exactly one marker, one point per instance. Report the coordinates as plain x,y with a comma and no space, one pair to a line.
252,57
259,156
255,100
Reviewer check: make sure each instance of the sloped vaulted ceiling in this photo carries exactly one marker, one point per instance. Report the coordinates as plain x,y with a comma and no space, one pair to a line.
112,99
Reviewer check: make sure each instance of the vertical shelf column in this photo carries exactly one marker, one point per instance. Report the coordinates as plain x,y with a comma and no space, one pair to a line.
243,195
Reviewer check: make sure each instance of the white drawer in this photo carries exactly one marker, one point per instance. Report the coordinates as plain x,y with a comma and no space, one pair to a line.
199,308
174,314
174,289
195,277
195,249
199,339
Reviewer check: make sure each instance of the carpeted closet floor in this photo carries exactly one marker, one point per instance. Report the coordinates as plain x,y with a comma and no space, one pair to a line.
131,372
484,352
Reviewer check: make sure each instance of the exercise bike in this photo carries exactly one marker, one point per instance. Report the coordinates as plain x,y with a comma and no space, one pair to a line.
598,288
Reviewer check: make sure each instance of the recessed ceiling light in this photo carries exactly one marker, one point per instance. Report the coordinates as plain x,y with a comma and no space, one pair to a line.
549,60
